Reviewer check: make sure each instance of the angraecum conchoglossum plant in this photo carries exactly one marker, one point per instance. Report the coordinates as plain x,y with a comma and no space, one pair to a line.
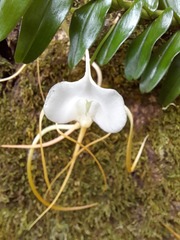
76,110
84,102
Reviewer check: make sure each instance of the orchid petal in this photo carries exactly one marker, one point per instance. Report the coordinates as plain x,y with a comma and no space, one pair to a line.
84,101
111,116
61,101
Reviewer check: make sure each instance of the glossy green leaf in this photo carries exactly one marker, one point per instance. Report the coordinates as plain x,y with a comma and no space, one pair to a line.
140,50
151,4
10,13
120,33
175,5
159,63
39,25
84,28
171,85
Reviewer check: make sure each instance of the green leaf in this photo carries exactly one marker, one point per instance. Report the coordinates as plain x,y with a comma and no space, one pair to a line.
120,33
171,85
39,25
159,63
140,50
84,28
175,5
10,13
151,4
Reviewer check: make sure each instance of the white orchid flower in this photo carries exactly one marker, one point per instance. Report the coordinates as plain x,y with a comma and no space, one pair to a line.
86,102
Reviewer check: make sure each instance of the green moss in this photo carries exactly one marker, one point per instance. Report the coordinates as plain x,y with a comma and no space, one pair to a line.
133,207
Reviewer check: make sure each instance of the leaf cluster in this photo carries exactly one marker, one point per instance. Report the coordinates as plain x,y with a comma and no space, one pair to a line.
41,19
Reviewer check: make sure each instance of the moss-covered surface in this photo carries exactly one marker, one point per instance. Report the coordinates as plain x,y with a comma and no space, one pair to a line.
133,207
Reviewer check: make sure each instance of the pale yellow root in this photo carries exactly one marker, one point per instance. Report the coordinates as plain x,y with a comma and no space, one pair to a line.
36,140
169,105
98,72
39,80
32,185
129,165
55,179
95,159
71,128
176,235
14,75
46,178
52,204
83,148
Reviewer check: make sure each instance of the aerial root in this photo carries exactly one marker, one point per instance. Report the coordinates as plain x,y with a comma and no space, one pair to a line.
129,165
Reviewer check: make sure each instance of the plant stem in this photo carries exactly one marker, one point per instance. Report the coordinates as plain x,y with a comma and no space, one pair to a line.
145,14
